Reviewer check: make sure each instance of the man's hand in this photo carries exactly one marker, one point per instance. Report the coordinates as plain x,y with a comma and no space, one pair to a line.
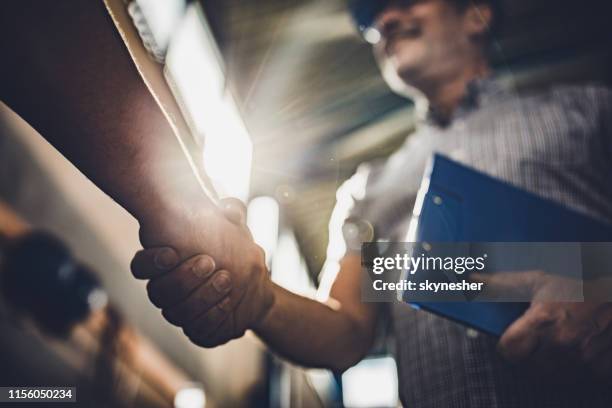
212,304
107,123
558,337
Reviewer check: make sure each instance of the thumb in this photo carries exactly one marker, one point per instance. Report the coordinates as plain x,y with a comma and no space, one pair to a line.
152,262
523,336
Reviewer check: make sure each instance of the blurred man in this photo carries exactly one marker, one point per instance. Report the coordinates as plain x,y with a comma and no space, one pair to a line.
555,143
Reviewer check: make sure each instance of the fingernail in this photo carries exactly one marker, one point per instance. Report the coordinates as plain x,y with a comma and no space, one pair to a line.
222,283
165,258
204,267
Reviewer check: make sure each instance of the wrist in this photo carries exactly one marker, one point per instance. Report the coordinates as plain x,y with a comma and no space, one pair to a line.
170,218
270,303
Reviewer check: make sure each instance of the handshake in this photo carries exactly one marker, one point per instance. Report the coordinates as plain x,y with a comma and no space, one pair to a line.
205,272
210,278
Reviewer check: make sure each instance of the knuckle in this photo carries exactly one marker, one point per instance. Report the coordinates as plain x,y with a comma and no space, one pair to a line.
190,331
201,340
257,260
172,317
153,294
260,254
143,234
204,342
222,341
222,283
544,316
135,265
510,348
227,337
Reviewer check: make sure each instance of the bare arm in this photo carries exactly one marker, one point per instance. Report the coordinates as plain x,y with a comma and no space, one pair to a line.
66,71
333,335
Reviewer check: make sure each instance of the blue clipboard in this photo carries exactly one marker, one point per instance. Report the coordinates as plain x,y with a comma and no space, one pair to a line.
460,204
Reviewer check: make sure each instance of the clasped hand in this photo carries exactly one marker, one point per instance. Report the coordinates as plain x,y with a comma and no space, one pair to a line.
214,285
567,339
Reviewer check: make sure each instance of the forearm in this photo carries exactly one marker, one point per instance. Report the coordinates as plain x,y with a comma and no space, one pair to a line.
312,333
67,72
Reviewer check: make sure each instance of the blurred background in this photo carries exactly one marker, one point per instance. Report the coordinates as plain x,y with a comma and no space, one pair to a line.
287,93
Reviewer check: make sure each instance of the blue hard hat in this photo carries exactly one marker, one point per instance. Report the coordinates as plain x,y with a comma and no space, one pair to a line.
365,12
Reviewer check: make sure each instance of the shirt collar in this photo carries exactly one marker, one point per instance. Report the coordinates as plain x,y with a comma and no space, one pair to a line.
478,92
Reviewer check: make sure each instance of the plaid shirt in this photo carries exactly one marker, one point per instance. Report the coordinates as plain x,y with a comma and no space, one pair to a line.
556,143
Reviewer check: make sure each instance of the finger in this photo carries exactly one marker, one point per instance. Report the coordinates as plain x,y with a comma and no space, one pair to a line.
152,262
523,336
173,286
203,327
234,210
221,335
200,300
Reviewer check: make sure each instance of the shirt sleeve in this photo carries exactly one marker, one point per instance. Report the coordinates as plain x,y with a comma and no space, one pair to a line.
346,232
